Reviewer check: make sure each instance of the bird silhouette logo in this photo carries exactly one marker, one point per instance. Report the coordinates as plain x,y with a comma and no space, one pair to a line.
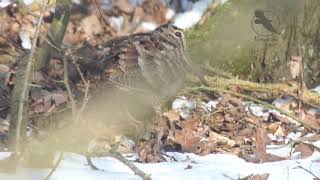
265,23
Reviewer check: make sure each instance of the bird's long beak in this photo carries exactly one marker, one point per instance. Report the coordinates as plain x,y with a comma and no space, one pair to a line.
195,69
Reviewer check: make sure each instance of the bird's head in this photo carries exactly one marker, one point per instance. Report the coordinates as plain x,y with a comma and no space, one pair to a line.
172,34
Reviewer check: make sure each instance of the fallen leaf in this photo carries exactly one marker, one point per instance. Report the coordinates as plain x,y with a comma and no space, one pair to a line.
305,149
260,177
172,115
279,132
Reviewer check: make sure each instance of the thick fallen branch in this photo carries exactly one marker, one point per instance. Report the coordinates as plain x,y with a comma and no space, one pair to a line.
55,34
267,90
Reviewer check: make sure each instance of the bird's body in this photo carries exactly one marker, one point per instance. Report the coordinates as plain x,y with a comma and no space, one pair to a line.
154,62
140,72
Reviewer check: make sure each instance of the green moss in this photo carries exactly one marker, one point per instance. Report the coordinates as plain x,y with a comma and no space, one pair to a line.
216,42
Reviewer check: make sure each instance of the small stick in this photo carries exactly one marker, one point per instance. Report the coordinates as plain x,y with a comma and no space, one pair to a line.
128,163
68,88
114,154
90,163
311,173
54,167
212,8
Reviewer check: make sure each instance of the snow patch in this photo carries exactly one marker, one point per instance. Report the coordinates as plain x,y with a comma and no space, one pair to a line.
212,166
4,3
25,38
191,17
150,26
169,14
116,22
184,106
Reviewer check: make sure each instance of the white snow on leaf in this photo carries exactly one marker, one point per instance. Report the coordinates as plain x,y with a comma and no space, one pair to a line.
191,17
25,38
136,2
224,1
4,3
169,14
76,1
105,5
116,22
316,89
28,2
210,105
184,106
257,110
279,102
149,25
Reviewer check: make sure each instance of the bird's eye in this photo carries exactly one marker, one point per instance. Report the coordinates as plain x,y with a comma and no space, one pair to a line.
178,34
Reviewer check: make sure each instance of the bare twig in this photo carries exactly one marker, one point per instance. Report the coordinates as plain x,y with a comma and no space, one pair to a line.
128,163
21,88
212,8
308,171
68,88
90,163
84,101
113,153
54,167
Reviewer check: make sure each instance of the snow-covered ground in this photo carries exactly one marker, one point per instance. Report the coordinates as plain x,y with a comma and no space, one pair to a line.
213,166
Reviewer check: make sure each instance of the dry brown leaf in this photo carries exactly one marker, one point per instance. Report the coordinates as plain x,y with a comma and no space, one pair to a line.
260,153
260,176
279,132
123,5
190,135
305,149
310,119
215,137
273,127
261,142
91,27
246,132
149,152
172,115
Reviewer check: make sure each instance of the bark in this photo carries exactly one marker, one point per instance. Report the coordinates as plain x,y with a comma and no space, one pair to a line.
55,35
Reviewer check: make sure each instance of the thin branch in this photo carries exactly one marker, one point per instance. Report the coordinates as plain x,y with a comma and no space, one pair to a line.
211,10
90,163
25,82
311,173
54,167
128,163
68,88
